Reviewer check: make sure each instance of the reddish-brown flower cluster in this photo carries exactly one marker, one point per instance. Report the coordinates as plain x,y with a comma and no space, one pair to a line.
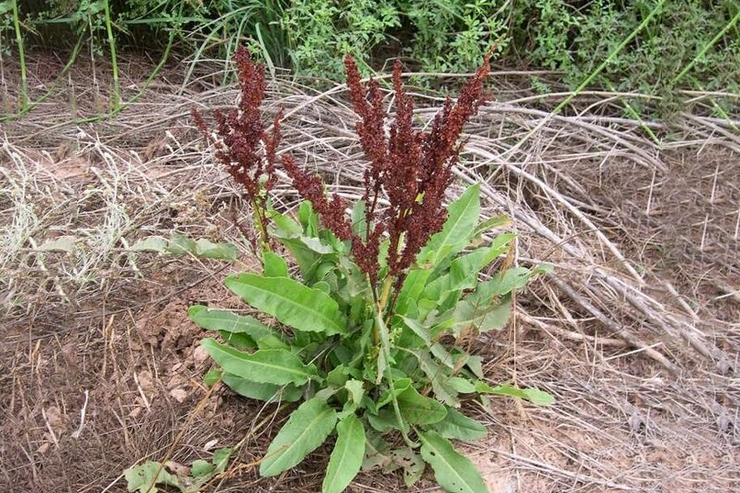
412,167
242,143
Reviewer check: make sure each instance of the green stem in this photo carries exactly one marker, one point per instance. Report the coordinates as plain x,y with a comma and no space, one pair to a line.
261,212
385,349
21,56
113,58
706,48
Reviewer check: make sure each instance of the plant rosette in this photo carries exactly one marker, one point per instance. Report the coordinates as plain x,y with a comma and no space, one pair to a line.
369,316
392,402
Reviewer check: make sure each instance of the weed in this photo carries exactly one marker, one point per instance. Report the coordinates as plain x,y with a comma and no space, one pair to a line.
367,331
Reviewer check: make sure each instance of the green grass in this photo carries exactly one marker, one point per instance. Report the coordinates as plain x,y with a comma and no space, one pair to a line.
650,47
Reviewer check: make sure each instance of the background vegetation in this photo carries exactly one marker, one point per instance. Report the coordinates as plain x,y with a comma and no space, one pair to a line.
654,47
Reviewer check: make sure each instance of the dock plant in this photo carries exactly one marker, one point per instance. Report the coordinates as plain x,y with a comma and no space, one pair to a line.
365,304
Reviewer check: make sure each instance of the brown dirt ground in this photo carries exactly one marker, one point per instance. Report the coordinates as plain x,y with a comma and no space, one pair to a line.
103,372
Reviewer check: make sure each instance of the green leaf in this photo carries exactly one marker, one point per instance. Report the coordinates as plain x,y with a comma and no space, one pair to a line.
180,245
412,288
286,226
439,379
346,458
494,222
62,244
475,363
226,321
359,223
274,265
355,390
314,244
407,459
141,478
468,315
534,395
457,230
508,281
151,244
464,270
306,429
539,397
306,258
275,366
221,458
212,377
266,392
418,409
308,218
218,251
457,426
292,303
454,472
201,467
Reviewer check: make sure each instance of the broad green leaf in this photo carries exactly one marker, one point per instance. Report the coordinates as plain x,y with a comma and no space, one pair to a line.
418,409
475,363
200,468
221,458
292,303
534,395
62,244
212,377
355,390
346,458
457,426
218,251
508,281
273,265
412,288
226,321
439,378
462,385
151,244
180,245
275,366
464,270
494,222
411,462
454,472
266,392
470,316
308,218
456,233
437,349
285,226
315,244
144,477
305,430
539,397
306,258
359,222
385,420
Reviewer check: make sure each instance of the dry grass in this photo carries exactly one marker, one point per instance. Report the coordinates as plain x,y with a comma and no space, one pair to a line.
636,333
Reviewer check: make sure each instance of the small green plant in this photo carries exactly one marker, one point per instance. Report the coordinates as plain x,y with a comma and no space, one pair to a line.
367,330
145,477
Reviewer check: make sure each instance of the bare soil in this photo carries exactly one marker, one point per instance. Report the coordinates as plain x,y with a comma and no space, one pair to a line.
636,334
